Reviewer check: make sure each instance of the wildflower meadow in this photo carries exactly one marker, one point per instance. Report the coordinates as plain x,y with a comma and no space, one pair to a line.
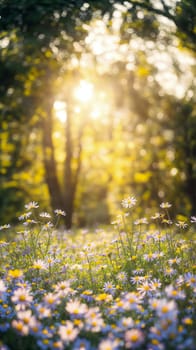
97,175
128,286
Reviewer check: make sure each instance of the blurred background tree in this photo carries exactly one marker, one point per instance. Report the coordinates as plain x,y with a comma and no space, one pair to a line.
97,101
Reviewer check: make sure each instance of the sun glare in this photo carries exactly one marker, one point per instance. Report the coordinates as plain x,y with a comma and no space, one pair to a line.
84,92
85,99
60,110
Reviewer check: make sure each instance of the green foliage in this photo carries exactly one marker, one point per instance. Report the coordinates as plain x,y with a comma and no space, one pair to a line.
147,139
181,13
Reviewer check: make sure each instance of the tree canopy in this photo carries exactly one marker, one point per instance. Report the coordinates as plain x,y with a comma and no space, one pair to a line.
97,100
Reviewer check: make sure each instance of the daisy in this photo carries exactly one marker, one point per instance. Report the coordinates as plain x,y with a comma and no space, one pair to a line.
108,344
129,202
60,212
125,323
109,288
48,225
141,221
51,300
174,293
94,324
68,332
63,288
29,222
57,345
133,338
21,298
145,289
76,308
190,279
166,309
43,311
155,284
6,226
170,271
39,265
31,205
20,327
157,216
174,261
150,256
25,216
131,301
122,276
182,224
45,215
136,279
28,319
165,205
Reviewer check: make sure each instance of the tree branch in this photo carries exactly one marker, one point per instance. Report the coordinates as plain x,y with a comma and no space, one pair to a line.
157,11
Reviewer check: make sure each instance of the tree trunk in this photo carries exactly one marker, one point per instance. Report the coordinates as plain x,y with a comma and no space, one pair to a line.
190,156
61,198
191,188
50,165
71,175
191,176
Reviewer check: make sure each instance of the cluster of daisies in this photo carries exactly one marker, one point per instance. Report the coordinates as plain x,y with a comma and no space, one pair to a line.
97,291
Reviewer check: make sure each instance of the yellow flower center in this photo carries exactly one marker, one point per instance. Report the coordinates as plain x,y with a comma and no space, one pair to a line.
146,288
164,309
22,297
19,327
134,338
174,292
